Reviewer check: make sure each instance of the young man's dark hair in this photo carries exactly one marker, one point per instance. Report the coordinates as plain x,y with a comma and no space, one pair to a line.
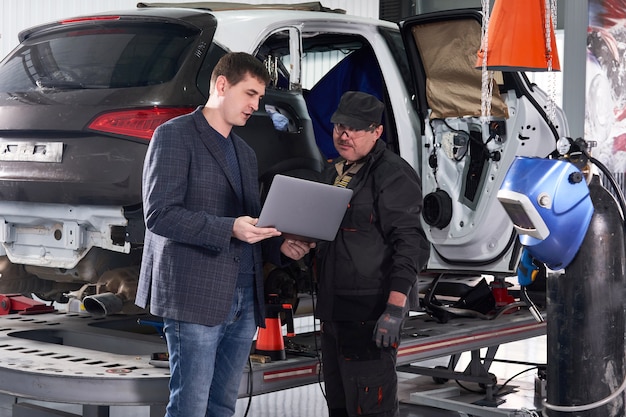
235,65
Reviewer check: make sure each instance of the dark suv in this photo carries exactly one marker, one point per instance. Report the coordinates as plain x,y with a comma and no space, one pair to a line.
80,98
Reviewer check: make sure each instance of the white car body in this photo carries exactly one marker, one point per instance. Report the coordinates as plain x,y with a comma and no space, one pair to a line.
433,120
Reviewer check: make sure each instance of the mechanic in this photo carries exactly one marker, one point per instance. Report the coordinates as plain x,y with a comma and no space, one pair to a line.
201,268
367,272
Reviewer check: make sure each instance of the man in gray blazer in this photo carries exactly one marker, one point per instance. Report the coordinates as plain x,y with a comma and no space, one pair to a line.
202,268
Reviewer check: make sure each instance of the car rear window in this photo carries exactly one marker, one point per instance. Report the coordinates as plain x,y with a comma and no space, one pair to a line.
116,55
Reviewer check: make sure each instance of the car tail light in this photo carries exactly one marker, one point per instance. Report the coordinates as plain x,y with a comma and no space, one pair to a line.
138,123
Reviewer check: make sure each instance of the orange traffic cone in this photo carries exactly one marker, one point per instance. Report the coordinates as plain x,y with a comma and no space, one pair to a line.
270,340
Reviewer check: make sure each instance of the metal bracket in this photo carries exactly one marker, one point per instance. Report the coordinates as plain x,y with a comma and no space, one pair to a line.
441,398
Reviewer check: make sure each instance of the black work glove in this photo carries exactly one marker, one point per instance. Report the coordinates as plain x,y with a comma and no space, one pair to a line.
387,330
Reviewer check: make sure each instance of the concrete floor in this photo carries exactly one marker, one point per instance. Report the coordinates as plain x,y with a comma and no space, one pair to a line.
308,401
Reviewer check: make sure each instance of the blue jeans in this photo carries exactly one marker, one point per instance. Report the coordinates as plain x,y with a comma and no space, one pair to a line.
207,362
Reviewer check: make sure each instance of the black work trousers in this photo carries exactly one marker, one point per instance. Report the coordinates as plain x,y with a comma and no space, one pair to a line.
359,377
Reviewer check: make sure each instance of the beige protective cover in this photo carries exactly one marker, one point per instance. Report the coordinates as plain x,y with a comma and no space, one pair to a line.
453,83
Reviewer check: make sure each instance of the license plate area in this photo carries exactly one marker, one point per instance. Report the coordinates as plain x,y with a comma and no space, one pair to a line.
32,151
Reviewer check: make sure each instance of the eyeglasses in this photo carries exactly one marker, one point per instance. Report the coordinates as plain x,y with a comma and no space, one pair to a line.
340,129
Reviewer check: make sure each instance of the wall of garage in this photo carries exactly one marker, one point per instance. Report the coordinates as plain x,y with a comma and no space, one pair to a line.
16,15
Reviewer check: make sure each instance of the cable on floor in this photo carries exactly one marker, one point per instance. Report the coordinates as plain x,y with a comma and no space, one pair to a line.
317,348
513,377
482,391
250,387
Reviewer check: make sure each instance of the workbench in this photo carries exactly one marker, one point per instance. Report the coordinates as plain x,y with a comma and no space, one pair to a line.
100,362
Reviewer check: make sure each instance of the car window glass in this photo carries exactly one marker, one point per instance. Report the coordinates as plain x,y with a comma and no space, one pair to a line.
204,74
110,56
394,41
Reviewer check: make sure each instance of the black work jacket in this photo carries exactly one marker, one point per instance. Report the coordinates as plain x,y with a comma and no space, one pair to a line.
380,246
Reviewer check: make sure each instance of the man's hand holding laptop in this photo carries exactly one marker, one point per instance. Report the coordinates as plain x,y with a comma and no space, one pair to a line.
245,230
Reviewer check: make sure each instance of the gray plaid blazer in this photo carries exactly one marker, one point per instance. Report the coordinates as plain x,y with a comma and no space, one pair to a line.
190,262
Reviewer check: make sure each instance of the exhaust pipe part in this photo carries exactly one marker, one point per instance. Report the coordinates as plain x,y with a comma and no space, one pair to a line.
103,304
115,293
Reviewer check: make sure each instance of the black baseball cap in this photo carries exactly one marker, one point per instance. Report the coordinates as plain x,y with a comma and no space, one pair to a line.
358,110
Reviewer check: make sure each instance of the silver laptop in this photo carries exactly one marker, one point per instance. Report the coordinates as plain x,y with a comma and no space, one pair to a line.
304,210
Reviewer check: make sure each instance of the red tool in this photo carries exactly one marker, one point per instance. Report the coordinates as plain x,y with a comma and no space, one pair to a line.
17,303
500,291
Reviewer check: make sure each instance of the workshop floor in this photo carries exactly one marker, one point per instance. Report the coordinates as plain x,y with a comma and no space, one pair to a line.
516,361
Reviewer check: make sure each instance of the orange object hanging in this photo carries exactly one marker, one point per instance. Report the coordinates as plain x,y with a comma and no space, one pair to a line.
517,38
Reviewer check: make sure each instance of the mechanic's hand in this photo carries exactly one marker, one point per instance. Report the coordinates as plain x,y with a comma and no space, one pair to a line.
387,330
296,249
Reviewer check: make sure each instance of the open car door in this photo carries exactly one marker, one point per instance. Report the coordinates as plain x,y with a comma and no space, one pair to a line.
463,159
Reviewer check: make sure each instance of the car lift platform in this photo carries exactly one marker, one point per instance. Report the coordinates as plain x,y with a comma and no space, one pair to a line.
101,362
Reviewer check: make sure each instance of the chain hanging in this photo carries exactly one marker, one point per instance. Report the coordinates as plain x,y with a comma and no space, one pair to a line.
550,20
486,90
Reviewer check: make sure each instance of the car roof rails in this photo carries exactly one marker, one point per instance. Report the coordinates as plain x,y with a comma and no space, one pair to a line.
314,6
